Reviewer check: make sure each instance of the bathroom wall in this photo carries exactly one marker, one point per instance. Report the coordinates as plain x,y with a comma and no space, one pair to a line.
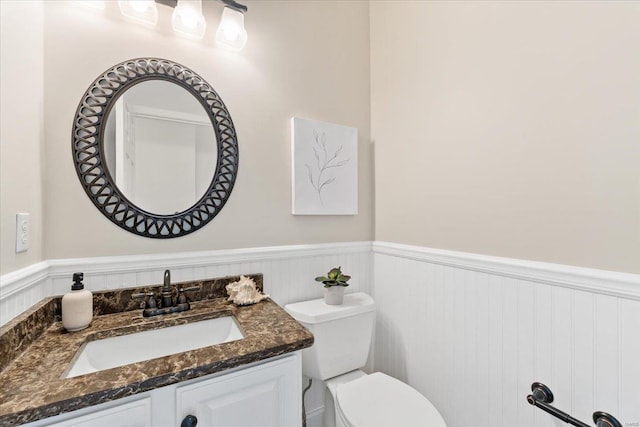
21,129
306,58
472,333
500,128
509,128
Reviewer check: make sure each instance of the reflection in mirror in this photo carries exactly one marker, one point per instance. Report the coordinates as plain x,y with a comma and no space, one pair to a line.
160,147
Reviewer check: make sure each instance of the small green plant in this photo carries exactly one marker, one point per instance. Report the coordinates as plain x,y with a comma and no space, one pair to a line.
334,278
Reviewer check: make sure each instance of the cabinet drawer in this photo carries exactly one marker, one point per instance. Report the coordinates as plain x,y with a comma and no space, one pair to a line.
133,414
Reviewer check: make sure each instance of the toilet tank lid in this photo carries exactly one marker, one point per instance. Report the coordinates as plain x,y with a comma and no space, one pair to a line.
316,311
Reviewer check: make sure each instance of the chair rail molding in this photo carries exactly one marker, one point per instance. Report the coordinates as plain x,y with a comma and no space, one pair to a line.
23,278
140,263
623,285
611,283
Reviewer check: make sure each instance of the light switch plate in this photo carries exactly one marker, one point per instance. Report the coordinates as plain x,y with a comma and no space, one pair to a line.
22,232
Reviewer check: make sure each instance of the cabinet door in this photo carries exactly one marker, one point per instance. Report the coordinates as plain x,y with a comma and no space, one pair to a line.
268,395
133,414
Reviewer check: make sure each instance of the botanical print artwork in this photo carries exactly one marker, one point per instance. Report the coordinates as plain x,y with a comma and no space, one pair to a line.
325,168
323,164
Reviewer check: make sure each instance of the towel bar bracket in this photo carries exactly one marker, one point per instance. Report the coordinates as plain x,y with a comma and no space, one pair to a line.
602,419
541,392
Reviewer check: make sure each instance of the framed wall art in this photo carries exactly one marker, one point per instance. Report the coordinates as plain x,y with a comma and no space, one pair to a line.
325,168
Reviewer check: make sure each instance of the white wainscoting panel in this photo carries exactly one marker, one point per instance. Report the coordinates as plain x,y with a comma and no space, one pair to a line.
288,272
472,333
21,289
468,331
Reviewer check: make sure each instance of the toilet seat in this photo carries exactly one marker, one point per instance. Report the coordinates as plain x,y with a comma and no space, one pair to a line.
378,400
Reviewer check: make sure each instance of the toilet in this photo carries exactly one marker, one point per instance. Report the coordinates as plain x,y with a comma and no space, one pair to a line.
352,398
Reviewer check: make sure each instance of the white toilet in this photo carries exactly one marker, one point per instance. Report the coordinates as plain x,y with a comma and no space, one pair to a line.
353,398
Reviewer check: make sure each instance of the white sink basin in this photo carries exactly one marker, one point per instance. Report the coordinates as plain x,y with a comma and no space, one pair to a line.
125,349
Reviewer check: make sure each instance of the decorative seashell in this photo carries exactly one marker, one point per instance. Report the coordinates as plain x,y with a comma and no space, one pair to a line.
244,292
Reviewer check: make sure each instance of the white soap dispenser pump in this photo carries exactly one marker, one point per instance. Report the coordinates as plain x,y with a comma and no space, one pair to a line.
77,306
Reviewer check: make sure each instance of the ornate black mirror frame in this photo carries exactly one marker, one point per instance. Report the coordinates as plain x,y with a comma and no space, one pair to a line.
89,157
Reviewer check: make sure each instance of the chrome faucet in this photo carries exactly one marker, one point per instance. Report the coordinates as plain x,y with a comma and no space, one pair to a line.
165,303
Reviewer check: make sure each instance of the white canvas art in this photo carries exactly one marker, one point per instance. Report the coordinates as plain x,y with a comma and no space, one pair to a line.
325,168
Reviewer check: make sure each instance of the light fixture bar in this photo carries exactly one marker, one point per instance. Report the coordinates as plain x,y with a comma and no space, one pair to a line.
170,3
231,3
235,5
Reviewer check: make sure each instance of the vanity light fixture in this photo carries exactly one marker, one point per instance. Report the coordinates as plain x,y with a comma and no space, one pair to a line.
187,18
231,33
140,10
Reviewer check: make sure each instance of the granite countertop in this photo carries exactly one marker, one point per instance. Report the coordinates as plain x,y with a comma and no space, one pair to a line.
31,383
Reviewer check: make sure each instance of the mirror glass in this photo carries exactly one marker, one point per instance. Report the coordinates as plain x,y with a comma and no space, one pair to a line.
160,147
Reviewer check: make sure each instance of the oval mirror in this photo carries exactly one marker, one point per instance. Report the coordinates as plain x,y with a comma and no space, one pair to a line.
155,148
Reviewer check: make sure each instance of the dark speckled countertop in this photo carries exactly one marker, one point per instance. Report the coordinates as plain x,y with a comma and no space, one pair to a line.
32,386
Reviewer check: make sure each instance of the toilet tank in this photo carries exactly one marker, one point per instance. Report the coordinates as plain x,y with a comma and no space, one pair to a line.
342,334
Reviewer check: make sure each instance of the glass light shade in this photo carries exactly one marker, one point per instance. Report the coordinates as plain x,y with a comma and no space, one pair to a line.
188,20
140,10
231,33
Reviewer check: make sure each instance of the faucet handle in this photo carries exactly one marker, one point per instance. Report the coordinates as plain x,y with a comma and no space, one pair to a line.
182,299
142,295
151,302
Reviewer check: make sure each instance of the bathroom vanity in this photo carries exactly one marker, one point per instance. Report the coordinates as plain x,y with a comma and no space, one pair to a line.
262,394
248,380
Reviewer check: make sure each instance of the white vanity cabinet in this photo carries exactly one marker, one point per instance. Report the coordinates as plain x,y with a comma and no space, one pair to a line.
253,397
263,394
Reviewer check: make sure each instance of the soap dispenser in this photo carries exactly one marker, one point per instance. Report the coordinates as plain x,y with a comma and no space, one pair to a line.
77,306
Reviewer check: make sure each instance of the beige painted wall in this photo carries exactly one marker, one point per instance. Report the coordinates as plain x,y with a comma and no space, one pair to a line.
509,128
21,128
503,128
303,58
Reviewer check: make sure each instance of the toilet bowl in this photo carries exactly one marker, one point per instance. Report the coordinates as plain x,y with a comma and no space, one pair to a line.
342,337
377,400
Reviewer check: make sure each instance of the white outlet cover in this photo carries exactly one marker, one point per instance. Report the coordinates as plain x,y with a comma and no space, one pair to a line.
22,232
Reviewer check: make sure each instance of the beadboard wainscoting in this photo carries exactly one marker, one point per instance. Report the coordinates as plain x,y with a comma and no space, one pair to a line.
288,272
470,332
23,288
473,332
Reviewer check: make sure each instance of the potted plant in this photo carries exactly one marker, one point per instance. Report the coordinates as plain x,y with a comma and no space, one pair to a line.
334,284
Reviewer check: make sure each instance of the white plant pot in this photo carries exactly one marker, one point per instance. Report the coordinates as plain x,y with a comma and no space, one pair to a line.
334,295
